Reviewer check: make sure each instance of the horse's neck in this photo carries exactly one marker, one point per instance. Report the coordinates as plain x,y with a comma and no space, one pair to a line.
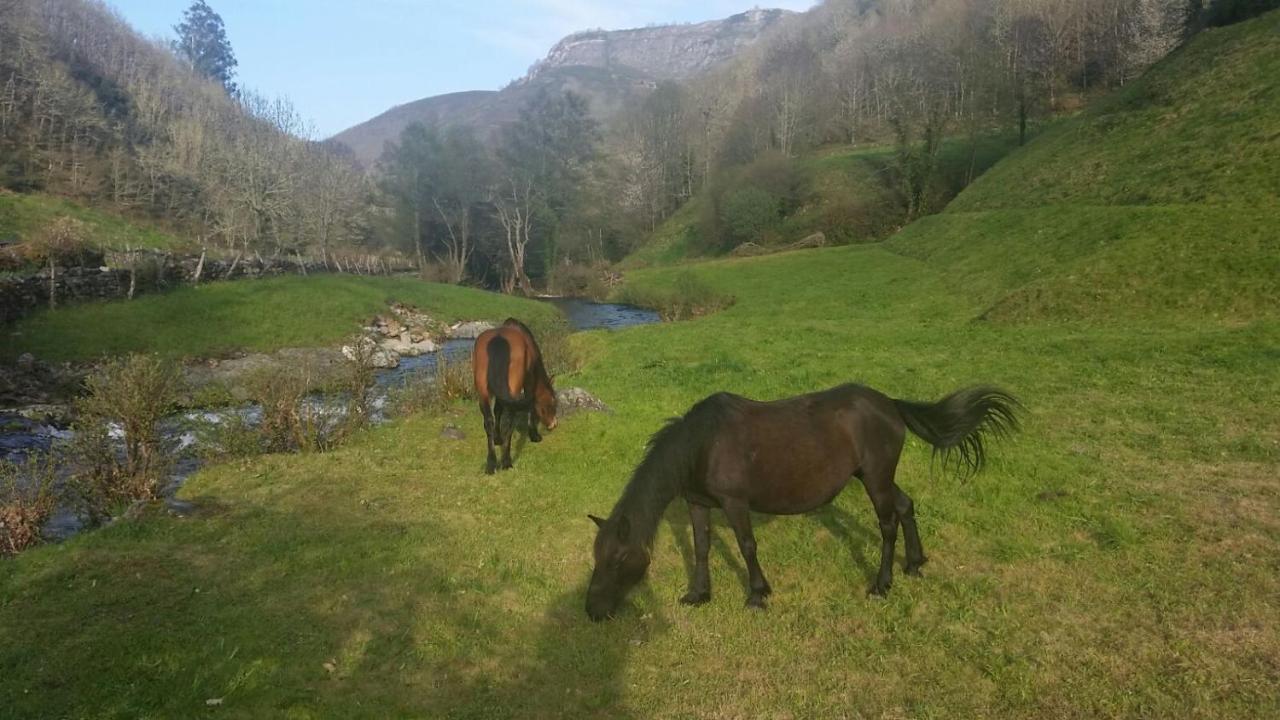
645,500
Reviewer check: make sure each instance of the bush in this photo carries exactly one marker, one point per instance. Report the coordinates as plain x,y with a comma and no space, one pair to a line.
748,213
294,415
1227,12
27,500
689,296
434,392
577,280
126,399
64,241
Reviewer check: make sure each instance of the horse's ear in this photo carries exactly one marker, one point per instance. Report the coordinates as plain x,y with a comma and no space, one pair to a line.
598,521
624,528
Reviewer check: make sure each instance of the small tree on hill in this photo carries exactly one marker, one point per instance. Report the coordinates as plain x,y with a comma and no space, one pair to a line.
202,43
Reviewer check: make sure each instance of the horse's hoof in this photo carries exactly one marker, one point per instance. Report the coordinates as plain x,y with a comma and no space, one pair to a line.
765,591
490,469
506,465
913,569
756,601
696,598
879,590
535,438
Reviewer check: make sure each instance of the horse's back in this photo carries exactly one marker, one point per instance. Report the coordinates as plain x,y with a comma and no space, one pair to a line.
520,353
793,454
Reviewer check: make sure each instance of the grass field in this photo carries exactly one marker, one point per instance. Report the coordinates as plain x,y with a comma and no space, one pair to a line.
257,315
1117,559
22,216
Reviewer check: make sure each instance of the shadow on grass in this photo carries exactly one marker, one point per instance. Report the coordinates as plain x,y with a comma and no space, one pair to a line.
852,533
572,668
325,610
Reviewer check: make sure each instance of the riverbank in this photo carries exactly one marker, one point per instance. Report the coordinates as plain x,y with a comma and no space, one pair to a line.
217,393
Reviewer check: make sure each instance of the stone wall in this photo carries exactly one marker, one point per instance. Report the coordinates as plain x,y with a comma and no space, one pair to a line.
20,295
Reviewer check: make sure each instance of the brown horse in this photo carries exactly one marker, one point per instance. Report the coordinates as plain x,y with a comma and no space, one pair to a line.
509,374
782,458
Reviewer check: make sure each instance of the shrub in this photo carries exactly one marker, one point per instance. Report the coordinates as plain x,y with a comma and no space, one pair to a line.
126,399
689,296
1216,13
577,280
63,241
27,499
289,421
435,391
748,213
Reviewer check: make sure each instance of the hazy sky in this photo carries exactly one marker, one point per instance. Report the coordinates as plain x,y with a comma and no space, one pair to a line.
344,61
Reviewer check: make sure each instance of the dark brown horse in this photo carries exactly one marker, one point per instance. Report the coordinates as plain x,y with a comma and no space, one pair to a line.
782,458
511,379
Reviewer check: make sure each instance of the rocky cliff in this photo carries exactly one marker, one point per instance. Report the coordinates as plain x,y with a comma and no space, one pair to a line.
666,52
608,67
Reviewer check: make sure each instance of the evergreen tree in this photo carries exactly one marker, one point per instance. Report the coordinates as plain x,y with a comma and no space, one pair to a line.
202,42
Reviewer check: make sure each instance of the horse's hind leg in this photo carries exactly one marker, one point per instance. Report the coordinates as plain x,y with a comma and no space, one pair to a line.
880,489
489,429
700,585
739,515
905,510
506,428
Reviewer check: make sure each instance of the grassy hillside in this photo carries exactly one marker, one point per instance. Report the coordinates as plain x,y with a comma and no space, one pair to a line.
258,315
847,193
1163,198
1201,127
23,216
1116,559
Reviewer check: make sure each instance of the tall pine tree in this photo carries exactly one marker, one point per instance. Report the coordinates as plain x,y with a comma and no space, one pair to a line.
202,42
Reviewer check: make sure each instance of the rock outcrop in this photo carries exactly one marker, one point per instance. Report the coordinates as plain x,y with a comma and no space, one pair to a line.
611,68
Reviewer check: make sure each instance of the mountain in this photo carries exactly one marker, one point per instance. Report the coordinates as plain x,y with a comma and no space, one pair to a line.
609,67
668,52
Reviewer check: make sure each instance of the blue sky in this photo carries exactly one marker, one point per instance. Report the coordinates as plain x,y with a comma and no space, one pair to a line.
344,61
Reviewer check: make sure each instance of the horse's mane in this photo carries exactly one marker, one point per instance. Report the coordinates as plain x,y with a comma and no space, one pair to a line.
672,455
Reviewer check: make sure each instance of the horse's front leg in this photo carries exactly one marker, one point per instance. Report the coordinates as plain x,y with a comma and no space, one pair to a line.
700,583
739,515
491,464
534,436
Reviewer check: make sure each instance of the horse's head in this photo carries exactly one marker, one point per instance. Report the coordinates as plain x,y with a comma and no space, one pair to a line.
544,404
621,562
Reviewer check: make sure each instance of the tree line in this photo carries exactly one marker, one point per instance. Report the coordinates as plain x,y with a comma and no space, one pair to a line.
91,110
901,73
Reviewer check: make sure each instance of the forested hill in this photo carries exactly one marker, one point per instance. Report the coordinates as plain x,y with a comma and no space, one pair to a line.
92,111
608,67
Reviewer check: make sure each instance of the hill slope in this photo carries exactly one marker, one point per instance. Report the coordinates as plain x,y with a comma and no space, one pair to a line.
1161,198
608,67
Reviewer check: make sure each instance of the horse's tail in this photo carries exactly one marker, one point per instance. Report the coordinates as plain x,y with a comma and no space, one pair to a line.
958,424
499,351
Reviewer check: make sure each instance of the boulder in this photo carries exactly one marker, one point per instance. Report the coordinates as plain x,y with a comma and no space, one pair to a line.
575,399
379,356
469,330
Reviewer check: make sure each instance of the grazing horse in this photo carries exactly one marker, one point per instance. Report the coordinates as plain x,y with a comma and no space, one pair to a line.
782,458
509,374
